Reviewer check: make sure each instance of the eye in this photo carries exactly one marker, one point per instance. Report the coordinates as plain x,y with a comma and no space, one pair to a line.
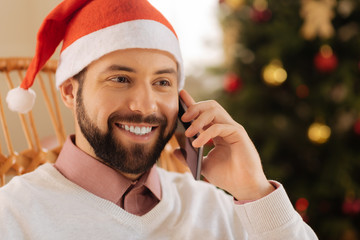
120,79
163,83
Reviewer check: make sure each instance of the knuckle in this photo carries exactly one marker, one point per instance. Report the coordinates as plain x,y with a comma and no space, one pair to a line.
215,128
212,104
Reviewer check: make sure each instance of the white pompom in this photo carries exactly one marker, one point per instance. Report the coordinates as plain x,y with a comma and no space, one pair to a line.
20,100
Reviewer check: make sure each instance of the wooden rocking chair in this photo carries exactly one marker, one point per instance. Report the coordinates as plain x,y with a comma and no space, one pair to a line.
20,161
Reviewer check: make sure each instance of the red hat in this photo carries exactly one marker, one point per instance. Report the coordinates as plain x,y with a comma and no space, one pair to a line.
90,29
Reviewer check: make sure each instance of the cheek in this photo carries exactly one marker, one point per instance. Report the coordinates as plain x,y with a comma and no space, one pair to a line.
170,109
98,107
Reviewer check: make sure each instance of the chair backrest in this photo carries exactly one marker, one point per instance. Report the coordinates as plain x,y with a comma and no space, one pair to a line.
19,161
26,160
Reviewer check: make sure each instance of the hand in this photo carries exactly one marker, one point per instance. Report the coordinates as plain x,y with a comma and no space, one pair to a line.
233,164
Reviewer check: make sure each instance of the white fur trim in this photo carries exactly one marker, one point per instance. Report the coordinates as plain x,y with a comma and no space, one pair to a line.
20,100
132,34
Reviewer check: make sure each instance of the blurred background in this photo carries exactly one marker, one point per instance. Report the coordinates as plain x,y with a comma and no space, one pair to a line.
288,71
291,77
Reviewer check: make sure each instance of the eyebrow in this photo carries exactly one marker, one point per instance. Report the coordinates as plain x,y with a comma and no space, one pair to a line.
128,69
118,68
167,70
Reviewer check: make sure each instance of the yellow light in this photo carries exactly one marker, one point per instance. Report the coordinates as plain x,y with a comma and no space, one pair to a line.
319,133
260,5
326,51
274,74
235,4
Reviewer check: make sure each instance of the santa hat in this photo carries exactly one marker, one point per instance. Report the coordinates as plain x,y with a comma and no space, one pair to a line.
90,29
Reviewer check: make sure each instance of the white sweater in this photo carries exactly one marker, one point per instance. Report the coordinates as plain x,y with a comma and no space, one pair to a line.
45,205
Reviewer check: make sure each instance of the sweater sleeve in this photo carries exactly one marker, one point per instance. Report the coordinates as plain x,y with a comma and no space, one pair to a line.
273,217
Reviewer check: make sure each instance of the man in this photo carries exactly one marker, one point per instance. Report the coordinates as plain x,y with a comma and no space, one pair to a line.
120,73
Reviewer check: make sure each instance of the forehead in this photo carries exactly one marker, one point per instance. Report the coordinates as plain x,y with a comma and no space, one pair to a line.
138,58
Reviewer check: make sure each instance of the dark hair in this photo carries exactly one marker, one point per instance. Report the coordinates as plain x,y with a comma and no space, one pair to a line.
80,77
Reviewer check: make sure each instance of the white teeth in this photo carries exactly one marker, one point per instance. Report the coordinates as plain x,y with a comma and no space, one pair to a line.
137,130
143,130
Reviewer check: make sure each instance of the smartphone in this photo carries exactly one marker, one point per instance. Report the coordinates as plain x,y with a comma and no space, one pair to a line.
193,155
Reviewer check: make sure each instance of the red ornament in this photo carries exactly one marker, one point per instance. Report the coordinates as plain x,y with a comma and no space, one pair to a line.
351,206
357,127
301,204
232,83
260,16
325,61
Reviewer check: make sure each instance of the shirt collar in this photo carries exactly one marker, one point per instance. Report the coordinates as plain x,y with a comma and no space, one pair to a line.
98,178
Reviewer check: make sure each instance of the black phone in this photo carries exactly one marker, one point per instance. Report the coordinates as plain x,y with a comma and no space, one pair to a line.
193,155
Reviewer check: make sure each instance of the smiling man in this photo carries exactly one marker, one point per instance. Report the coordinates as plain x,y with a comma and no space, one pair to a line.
131,105
121,74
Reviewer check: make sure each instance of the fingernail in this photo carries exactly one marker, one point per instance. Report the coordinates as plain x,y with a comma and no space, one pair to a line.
194,143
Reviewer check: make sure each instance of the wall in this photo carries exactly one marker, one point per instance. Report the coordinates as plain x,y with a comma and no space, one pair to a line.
19,23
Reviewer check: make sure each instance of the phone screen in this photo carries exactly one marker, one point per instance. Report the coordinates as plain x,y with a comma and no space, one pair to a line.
193,155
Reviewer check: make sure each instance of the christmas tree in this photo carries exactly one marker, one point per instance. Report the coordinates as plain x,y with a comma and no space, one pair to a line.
292,80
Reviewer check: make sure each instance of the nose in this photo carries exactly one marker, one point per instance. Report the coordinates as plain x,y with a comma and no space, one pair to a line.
143,100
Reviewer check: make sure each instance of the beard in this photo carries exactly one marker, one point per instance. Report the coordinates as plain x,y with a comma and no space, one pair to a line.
136,159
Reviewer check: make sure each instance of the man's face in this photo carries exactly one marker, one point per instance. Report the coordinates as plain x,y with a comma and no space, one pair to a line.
126,108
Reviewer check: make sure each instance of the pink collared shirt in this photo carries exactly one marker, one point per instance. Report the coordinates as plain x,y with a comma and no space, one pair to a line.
135,197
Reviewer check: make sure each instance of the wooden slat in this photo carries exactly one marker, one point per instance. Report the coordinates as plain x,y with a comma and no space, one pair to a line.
35,155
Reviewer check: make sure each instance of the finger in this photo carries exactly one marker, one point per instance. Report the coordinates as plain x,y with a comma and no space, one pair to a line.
187,99
225,131
196,109
199,124
219,113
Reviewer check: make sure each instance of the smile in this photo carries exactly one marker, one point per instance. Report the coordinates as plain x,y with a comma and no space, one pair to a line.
137,130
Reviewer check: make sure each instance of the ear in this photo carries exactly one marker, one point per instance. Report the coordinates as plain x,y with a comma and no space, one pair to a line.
68,92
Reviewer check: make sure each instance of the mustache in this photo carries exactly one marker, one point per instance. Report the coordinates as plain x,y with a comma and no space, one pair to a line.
136,118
